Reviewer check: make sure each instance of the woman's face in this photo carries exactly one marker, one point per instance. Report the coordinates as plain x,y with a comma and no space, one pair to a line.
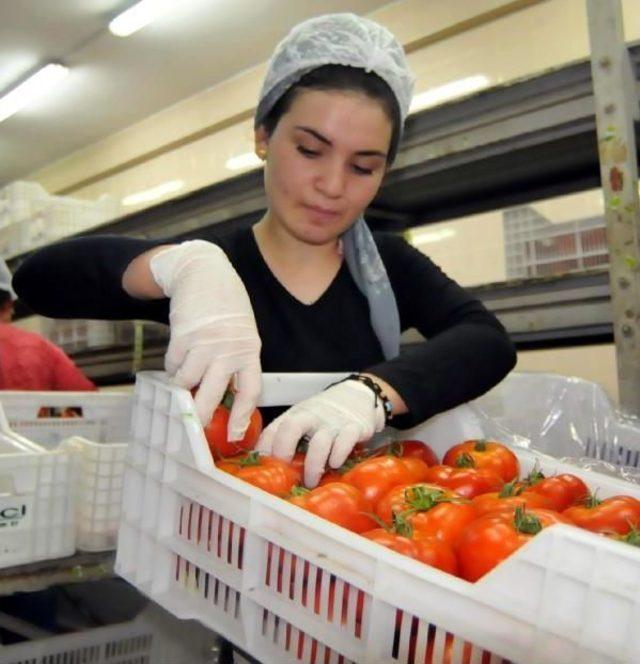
325,161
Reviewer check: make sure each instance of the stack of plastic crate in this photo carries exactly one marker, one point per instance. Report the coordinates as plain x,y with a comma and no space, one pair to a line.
534,246
90,431
30,217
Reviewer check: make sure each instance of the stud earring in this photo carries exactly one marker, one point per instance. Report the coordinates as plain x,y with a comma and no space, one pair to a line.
262,153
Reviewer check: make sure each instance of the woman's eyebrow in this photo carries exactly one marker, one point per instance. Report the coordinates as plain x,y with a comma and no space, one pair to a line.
326,141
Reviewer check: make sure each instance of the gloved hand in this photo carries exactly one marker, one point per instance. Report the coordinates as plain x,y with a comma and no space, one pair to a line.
333,421
214,337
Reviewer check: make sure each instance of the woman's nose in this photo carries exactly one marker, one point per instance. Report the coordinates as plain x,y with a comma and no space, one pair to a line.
332,180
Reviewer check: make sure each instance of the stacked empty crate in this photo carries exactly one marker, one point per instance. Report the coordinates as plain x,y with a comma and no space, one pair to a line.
30,217
536,247
83,434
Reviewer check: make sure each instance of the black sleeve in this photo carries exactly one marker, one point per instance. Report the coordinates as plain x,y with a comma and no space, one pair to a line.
82,278
467,350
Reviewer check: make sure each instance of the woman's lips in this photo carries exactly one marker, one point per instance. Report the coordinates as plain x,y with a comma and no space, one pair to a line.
322,212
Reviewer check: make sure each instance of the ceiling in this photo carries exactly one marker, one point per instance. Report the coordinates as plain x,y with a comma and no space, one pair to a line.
114,81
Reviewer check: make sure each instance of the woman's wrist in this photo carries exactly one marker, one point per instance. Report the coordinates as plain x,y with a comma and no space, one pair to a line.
398,406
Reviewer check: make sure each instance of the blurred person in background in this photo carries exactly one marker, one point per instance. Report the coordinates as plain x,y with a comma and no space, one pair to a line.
28,361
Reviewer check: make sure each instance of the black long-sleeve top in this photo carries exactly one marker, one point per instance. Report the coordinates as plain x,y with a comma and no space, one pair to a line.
467,350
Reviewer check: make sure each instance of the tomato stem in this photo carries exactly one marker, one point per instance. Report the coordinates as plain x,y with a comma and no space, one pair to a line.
252,459
298,490
535,476
509,490
526,523
592,500
421,499
401,525
480,446
227,399
465,460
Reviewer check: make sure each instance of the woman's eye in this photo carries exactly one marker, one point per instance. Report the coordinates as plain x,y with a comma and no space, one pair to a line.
362,171
306,152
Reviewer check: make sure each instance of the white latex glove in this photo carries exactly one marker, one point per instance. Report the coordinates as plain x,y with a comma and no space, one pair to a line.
333,421
213,330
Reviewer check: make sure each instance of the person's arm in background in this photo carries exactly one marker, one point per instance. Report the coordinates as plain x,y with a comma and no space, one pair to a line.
214,338
467,351
65,375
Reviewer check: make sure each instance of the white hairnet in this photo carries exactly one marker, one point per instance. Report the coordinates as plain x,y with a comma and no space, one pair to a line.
5,279
336,39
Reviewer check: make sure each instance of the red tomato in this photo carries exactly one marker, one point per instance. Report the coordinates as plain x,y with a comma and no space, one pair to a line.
216,431
562,490
428,550
467,482
618,514
268,473
510,497
484,454
415,449
339,503
491,538
374,477
427,510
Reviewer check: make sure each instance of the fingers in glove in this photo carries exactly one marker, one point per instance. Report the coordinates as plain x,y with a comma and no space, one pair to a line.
317,454
174,357
265,442
345,441
292,428
248,385
211,391
190,372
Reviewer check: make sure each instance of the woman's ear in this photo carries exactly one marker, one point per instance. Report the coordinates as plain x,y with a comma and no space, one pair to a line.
261,139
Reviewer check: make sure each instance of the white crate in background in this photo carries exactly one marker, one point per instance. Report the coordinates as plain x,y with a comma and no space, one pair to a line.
21,200
153,637
289,587
97,434
37,500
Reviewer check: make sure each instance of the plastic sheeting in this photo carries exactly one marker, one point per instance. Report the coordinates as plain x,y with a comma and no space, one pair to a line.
566,418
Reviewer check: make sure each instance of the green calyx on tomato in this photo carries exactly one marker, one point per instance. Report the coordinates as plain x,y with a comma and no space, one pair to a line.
480,446
510,489
591,501
529,524
465,460
251,459
632,537
535,476
421,499
298,490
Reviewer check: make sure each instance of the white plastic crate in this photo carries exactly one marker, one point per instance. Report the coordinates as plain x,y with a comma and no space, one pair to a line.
97,432
564,417
37,502
153,637
289,587
20,200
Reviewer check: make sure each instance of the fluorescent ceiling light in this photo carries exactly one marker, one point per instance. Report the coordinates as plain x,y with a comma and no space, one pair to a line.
245,160
442,93
425,237
137,16
155,192
35,86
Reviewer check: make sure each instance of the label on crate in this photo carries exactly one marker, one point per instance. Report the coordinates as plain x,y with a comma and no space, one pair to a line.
16,513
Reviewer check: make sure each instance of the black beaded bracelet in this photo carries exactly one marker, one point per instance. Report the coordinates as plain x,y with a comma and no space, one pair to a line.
387,406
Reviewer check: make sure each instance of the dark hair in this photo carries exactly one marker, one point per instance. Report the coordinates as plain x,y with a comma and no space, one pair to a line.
4,296
341,77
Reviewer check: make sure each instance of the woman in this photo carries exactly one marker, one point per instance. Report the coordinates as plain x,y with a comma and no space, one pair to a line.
308,288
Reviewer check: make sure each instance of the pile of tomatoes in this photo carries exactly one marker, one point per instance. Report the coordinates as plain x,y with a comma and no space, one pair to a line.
463,515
